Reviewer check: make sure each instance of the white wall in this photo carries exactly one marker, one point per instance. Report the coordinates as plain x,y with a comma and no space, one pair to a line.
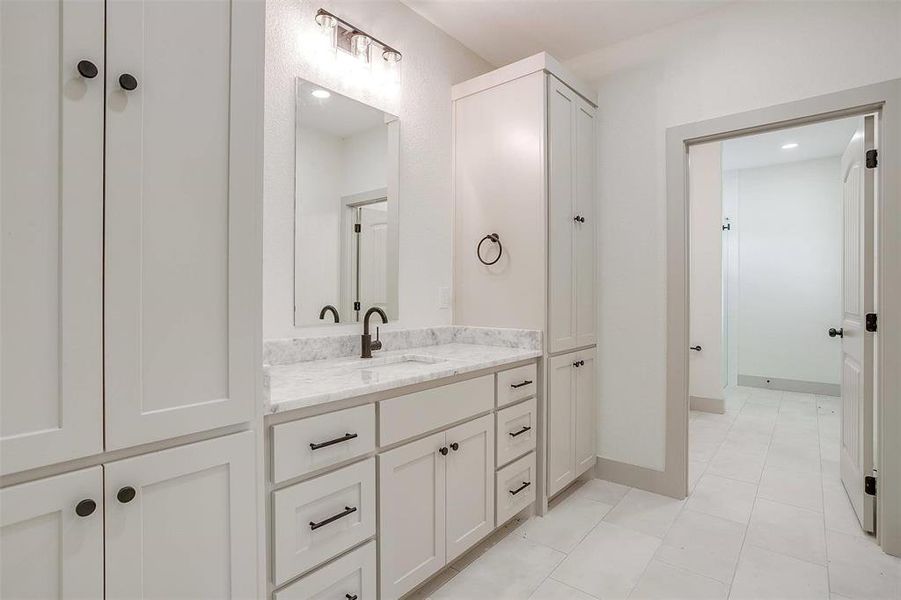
731,60
705,178
364,156
789,231
432,62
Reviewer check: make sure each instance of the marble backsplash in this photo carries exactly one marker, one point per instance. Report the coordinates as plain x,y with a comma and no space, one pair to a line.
293,350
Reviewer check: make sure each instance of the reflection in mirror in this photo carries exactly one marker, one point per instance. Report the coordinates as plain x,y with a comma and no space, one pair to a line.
345,208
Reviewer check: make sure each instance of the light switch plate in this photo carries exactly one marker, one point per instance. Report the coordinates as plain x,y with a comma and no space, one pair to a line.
444,298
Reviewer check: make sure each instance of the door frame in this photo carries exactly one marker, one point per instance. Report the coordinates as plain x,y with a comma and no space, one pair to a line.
883,99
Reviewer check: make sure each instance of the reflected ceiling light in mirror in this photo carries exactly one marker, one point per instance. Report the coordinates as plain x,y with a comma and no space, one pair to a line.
789,146
321,94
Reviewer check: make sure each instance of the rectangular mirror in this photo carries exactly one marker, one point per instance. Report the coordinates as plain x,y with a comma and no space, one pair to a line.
345,208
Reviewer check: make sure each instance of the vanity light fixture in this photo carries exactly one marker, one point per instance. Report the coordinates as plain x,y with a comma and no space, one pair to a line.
353,40
790,146
321,94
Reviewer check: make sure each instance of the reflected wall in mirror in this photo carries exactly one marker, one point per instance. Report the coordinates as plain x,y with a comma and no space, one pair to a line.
345,208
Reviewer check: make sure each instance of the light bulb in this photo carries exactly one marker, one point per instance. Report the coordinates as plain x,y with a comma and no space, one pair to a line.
322,94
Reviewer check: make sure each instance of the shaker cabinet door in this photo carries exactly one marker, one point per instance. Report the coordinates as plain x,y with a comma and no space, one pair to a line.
181,523
470,484
584,230
51,231
560,415
584,423
51,537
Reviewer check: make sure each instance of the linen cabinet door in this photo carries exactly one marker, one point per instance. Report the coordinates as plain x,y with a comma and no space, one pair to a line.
561,412
411,514
51,231
51,537
181,523
585,228
561,216
470,484
584,423
182,192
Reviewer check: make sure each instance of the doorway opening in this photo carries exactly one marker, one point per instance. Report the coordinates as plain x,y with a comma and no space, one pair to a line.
781,368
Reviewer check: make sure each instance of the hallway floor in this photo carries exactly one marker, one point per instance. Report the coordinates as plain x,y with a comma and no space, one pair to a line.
767,518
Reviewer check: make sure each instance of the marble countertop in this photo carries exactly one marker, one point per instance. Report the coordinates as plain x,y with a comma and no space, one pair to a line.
311,383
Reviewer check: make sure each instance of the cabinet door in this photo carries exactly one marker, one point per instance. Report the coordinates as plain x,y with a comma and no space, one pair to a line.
49,550
561,216
584,423
182,195
411,514
584,245
51,232
470,484
561,412
188,527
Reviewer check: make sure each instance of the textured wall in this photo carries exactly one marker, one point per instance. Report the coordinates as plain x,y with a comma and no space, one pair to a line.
432,62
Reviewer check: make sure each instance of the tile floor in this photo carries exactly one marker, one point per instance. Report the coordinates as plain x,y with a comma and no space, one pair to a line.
767,519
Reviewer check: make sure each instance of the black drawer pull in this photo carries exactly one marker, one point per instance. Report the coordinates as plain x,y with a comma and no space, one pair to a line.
519,385
347,510
343,438
524,485
524,429
350,596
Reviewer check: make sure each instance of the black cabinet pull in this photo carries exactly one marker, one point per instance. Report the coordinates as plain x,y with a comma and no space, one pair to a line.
455,446
519,385
579,363
443,450
579,219
695,348
87,69
524,429
350,596
524,485
128,82
343,438
85,507
126,494
347,511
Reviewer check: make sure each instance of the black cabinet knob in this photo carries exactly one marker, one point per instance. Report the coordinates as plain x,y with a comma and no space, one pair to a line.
443,451
128,82
695,348
85,507
833,332
455,446
87,69
126,494
579,219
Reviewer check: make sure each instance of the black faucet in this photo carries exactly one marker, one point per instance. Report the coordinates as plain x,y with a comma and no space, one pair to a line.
368,344
331,309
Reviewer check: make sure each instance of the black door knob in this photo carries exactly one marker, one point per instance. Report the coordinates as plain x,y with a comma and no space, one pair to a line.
443,451
126,494
455,446
87,69
833,332
85,507
695,348
128,82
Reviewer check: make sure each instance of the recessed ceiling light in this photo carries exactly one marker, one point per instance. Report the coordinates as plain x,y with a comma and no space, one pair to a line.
789,146
325,94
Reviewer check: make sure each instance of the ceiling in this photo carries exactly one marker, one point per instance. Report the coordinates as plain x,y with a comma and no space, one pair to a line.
814,141
336,115
502,31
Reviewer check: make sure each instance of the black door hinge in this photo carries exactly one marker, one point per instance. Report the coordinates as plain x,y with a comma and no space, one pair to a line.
357,228
357,306
871,322
872,158
869,485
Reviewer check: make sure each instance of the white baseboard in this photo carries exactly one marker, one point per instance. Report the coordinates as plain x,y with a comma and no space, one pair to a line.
711,405
635,476
791,385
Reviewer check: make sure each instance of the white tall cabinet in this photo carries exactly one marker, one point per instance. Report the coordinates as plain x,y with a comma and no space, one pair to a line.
524,169
130,192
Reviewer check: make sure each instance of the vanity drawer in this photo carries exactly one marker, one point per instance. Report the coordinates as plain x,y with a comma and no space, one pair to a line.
515,487
320,518
420,412
516,384
351,576
307,445
516,431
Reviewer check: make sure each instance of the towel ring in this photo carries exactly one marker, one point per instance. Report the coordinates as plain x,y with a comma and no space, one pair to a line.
491,237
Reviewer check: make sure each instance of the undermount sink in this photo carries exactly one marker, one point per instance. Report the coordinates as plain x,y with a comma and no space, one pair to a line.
399,364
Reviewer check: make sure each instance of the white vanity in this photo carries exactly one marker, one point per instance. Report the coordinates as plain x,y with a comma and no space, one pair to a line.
383,471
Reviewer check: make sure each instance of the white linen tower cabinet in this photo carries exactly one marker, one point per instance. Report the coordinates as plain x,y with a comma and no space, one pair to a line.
130,193
524,170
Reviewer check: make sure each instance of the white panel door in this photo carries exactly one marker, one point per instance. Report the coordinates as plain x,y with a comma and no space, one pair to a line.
560,409
857,344
470,485
181,197
48,549
51,231
584,421
561,216
181,523
411,514
584,234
